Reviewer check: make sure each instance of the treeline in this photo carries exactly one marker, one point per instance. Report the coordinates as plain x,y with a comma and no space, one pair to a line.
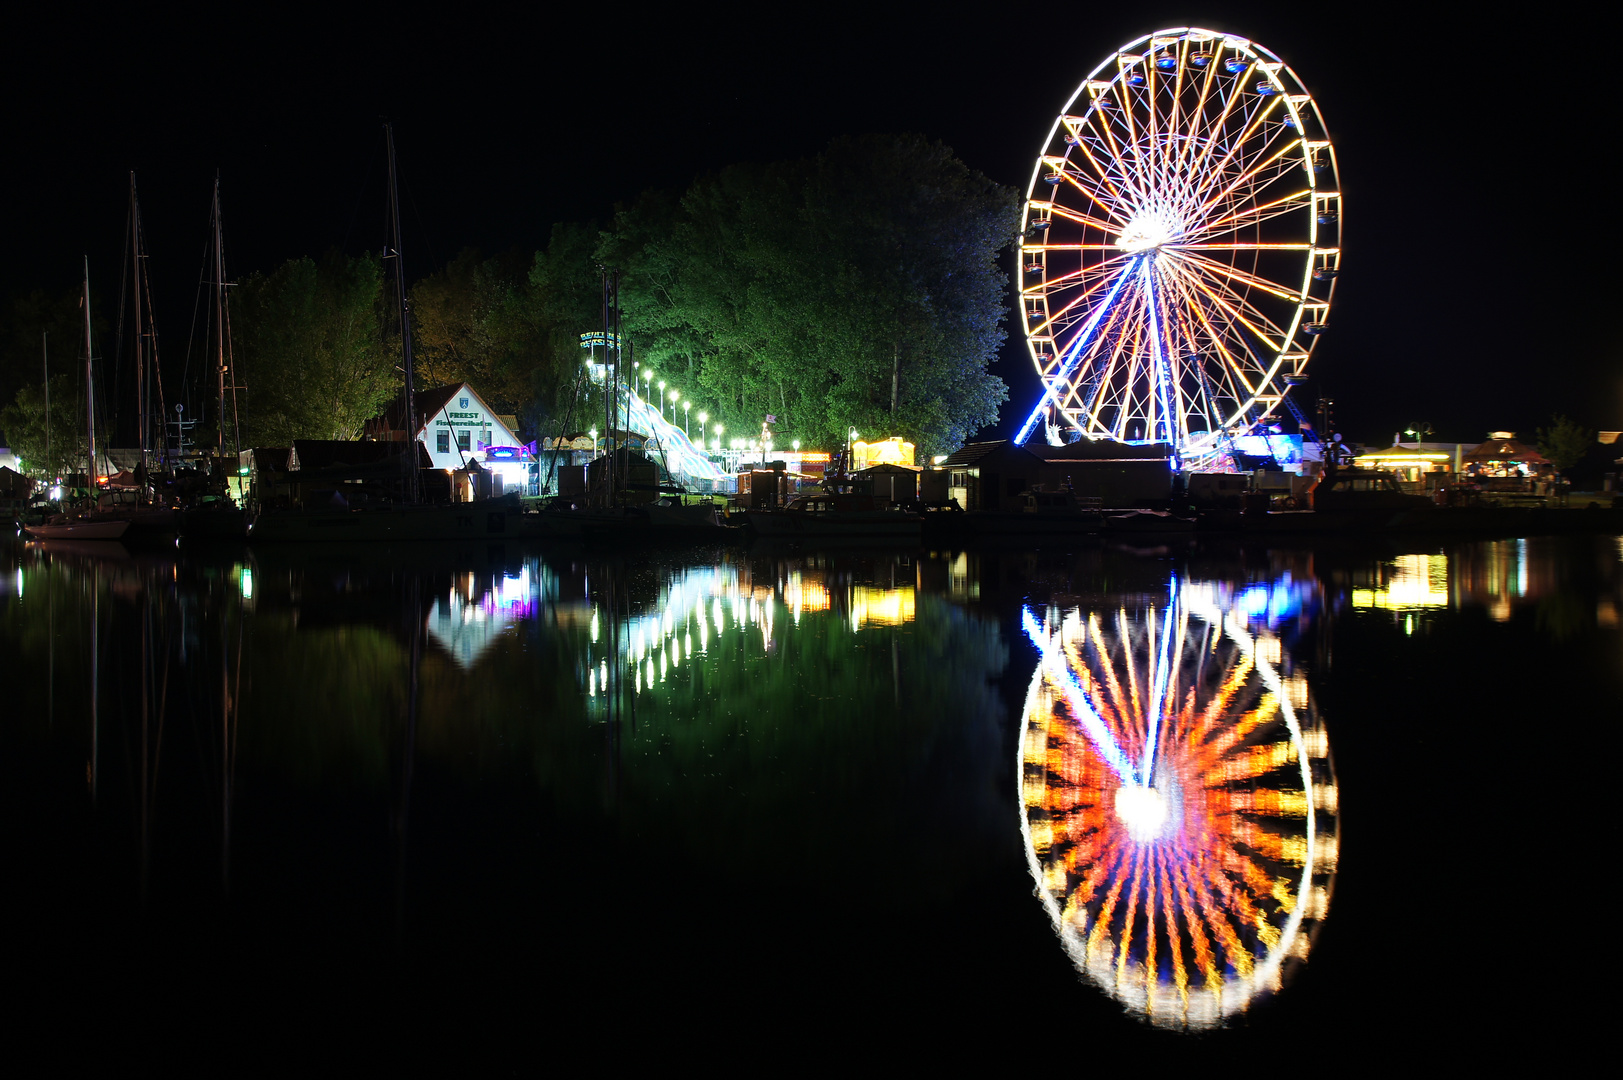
856,289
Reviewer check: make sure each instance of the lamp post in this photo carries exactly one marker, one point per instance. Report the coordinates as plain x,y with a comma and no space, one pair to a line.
676,395
686,405
662,399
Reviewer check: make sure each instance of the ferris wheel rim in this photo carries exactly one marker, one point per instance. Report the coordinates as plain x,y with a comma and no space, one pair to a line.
1256,352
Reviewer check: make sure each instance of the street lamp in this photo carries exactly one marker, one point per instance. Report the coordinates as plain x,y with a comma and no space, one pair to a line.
675,396
662,399
686,405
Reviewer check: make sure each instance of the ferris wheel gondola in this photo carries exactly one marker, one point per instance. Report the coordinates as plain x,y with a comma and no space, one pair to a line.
1180,244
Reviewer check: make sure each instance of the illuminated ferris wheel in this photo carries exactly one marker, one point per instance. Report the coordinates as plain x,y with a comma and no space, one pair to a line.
1180,810
1181,241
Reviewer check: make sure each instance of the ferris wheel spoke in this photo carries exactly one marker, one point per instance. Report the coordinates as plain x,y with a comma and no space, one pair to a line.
1085,219
1235,274
1232,367
1238,307
1187,161
1252,176
1211,135
1117,198
1236,364
1249,214
1112,148
1223,167
1058,320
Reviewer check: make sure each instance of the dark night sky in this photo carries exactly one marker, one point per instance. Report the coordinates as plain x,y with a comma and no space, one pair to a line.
1476,160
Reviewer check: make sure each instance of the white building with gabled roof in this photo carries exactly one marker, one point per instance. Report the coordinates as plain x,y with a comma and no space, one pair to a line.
453,423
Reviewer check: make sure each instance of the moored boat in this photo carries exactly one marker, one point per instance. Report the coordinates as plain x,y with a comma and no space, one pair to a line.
835,516
484,519
66,527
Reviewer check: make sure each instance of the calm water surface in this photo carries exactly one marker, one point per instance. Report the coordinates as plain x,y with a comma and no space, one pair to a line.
1203,800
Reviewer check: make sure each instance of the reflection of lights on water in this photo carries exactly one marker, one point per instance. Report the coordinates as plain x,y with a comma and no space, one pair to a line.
1143,810
19,583
467,621
648,649
881,607
1417,581
247,583
1179,802
801,595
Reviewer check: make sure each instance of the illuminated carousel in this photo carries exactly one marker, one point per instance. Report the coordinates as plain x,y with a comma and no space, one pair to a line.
1179,802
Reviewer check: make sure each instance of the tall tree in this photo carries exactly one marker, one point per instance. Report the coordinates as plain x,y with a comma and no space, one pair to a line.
1564,442
565,301
59,450
857,289
311,351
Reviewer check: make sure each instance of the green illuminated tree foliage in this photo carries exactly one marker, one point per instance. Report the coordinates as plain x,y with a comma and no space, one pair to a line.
60,450
310,350
1564,442
478,321
856,289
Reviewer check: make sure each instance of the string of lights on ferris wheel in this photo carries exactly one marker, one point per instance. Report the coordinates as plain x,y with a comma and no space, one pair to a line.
1180,243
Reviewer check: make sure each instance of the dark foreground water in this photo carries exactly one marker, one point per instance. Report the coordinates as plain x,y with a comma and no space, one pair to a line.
1222,803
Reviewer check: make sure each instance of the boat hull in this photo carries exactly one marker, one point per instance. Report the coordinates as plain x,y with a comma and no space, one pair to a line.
460,521
800,525
79,530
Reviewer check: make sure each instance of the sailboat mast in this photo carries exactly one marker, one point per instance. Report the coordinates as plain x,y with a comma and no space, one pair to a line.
90,388
135,276
410,412
45,360
219,323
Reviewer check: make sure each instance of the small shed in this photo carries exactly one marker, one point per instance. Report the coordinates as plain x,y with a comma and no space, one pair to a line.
992,475
892,483
1116,473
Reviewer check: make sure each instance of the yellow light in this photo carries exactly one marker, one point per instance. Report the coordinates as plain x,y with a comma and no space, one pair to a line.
881,607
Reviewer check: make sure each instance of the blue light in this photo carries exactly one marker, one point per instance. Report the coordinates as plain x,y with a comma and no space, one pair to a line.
1253,602
1055,664
1069,363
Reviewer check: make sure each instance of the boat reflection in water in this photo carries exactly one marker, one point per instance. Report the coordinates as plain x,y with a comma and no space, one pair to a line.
1179,801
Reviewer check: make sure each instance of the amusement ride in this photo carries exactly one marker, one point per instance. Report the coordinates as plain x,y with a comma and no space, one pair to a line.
1180,244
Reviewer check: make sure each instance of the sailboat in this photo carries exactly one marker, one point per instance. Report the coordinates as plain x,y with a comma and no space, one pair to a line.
410,519
148,517
216,517
84,525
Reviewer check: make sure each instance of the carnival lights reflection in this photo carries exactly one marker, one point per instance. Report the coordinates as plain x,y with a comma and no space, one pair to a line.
1179,799
700,610
1413,582
473,616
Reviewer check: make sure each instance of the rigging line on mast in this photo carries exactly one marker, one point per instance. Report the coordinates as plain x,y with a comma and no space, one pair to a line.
124,285
152,354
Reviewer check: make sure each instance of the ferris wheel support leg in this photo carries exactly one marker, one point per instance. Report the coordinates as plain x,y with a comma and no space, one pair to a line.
1069,363
1163,392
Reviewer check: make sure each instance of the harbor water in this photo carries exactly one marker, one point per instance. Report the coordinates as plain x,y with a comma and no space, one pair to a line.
1190,798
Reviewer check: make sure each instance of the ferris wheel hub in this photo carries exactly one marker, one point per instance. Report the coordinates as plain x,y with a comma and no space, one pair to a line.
1147,231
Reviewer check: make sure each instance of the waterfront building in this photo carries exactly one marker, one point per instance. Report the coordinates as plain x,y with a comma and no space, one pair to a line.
455,426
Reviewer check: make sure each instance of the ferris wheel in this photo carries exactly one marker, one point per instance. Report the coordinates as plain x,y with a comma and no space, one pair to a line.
1180,244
